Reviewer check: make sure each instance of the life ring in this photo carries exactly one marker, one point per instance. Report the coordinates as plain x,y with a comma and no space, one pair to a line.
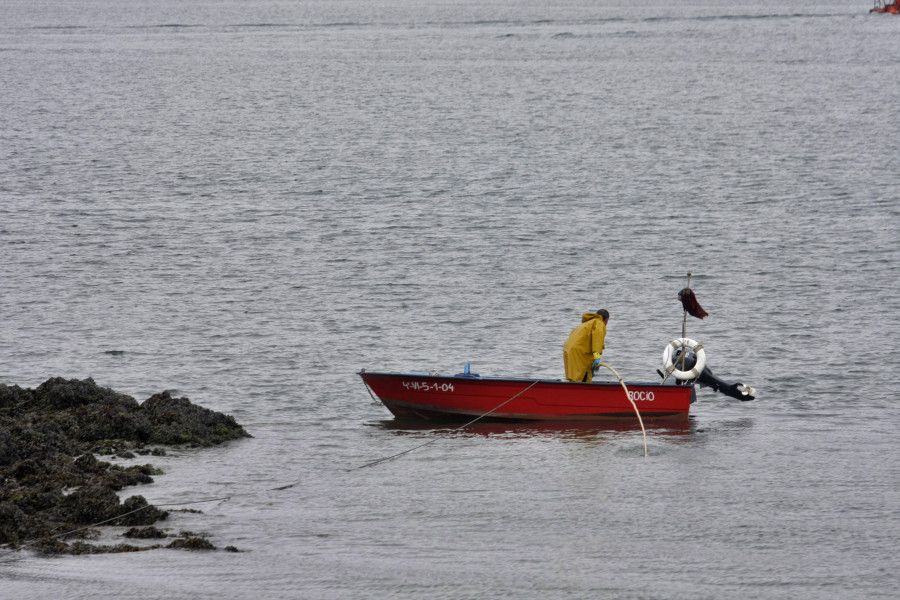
696,348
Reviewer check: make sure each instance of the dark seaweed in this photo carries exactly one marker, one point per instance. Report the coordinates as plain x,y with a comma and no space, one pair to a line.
51,480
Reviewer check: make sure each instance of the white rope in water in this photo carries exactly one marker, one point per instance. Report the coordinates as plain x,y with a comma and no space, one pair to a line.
628,395
431,441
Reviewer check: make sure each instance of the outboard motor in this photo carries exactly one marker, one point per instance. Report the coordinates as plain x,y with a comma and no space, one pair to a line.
693,368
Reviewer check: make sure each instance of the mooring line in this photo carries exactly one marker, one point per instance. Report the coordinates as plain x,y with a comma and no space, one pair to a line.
131,512
145,507
369,464
431,441
630,399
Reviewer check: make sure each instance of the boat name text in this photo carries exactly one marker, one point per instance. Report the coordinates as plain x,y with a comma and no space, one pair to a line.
642,396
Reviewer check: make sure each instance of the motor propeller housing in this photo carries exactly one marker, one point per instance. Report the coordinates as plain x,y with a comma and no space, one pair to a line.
740,391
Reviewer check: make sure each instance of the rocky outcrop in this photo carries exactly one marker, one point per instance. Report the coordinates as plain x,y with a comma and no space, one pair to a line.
51,481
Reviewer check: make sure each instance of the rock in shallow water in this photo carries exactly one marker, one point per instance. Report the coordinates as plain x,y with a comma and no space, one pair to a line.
50,480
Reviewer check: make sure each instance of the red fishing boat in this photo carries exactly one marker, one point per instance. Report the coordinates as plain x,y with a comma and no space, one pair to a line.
887,6
420,396
467,395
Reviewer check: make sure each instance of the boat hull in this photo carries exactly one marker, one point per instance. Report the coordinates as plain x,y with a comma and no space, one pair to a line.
433,397
891,7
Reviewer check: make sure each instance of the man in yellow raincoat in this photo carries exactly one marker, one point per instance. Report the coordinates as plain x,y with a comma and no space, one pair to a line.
582,350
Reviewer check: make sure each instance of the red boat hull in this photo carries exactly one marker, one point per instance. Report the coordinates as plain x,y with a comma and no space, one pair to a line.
892,7
443,397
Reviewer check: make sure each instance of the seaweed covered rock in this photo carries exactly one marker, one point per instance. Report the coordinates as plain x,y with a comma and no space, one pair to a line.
136,511
31,437
59,394
177,421
192,543
144,533
90,504
13,523
12,396
50,478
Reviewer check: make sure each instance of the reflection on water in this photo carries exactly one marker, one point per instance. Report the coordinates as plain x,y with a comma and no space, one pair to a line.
675,425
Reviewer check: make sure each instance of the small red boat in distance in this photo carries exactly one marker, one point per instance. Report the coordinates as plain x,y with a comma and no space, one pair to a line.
466,396
886,6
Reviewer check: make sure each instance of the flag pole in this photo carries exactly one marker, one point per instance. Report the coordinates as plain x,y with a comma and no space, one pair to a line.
684,326
684,320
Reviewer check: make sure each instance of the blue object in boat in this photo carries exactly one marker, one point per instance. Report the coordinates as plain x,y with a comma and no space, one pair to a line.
467,372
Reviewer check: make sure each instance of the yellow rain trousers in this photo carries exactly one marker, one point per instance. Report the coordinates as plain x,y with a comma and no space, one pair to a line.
578,351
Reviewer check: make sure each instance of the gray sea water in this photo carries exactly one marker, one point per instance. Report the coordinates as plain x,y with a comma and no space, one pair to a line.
247,202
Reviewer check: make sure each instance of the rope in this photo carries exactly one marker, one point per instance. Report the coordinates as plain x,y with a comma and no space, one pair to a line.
131,512
628,395
369,464
431,441
374,398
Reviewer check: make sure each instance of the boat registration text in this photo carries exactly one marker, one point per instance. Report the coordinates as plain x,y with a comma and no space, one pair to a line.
424,386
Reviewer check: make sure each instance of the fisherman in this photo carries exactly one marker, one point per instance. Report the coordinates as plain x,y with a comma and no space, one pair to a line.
582,350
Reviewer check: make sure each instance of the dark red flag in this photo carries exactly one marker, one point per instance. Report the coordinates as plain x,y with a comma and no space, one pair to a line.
690,304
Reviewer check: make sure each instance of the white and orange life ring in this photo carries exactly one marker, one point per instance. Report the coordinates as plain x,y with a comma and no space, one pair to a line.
685,344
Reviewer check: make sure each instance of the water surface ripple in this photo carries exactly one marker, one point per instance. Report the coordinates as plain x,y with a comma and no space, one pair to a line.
245,204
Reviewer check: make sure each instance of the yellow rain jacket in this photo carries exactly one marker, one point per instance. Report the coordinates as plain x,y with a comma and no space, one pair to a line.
583,342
